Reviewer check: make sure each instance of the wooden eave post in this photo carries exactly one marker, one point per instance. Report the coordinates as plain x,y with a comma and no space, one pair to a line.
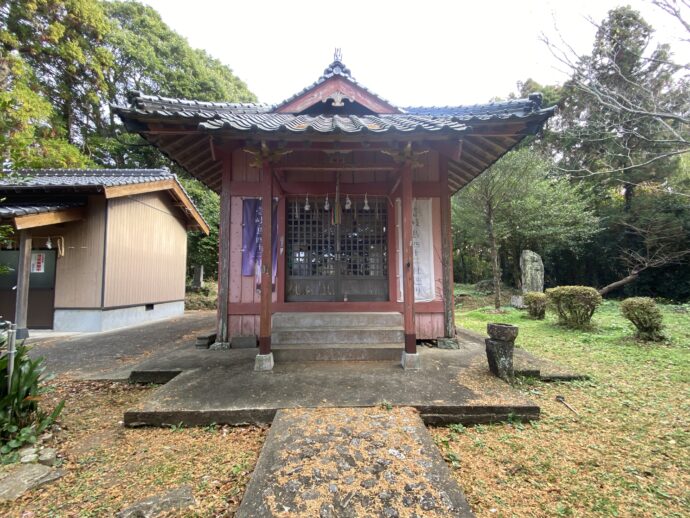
264,360
223,332
23,273
447,252
408,269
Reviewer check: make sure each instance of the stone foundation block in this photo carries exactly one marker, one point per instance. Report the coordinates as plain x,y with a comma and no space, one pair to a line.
263,362
410,362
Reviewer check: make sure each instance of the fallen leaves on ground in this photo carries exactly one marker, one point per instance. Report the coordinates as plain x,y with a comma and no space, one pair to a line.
625,452
111,467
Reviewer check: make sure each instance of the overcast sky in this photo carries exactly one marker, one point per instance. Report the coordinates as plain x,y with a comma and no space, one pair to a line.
421,52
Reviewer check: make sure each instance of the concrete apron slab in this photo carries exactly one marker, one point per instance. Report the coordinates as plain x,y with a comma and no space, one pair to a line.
205,387
351,462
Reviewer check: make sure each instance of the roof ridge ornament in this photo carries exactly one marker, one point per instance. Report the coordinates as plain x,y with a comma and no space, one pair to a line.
337,68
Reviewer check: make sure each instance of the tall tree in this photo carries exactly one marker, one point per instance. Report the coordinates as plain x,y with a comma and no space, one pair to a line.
517,204
625,112
623,128
31,135
62,42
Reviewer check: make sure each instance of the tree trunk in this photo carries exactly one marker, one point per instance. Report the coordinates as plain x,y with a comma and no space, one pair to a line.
628,192
615,285
495,266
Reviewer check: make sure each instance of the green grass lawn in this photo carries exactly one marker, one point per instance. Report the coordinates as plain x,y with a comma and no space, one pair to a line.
626,451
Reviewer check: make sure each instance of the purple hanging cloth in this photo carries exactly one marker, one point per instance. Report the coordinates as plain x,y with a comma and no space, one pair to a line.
251,227
252,218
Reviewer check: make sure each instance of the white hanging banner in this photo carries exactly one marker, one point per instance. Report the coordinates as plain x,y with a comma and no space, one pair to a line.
422,248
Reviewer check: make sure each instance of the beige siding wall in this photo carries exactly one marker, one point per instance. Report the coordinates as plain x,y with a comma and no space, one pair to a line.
146,250
79,273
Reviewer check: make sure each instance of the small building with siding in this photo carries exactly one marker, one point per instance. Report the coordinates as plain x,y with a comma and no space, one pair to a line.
94,250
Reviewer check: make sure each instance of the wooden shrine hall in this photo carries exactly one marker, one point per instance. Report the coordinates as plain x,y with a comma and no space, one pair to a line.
335,227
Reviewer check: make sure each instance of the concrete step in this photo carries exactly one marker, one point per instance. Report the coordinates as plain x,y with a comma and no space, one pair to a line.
326,335
337,320
337,352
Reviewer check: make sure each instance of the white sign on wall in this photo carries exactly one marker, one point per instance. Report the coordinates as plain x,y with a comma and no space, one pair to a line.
38,262
422,247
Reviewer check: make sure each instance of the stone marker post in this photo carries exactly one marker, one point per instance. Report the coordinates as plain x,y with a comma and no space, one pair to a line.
499,349
198,277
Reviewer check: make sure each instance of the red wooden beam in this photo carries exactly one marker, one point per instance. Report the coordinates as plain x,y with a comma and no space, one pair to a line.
254,308
419,189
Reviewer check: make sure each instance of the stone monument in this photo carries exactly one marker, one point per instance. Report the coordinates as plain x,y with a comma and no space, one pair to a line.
532,269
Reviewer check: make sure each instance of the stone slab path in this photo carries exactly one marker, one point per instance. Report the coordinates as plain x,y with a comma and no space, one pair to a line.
351,462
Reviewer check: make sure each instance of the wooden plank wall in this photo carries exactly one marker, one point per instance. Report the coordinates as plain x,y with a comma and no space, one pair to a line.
79,273
242,289
146,251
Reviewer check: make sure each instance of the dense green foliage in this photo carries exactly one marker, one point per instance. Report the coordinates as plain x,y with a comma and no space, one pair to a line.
518,204
574,305
203,250
63,63
611,208
645,316
21,418
536,304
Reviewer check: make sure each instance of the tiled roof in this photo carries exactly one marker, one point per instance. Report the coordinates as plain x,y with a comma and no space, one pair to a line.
37,178
249,116
187,108
514,109
280,122
42,180
24,208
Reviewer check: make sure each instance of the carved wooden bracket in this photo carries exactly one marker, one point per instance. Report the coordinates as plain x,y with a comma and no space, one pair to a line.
263,153
406,155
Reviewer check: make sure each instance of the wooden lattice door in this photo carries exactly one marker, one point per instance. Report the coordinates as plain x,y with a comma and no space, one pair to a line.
331,260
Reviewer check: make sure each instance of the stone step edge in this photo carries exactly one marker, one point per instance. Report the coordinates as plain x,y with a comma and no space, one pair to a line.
334,329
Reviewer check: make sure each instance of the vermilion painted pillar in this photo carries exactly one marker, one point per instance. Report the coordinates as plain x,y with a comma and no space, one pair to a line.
408,262
264,360
222,331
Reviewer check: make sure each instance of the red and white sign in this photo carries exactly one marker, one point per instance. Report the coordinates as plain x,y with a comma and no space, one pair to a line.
38,262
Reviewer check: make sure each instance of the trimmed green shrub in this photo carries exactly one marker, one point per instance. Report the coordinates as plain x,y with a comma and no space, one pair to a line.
574,305
645,316
21,418
536,304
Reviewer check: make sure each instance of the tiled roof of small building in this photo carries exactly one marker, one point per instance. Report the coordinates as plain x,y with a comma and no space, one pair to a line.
24,208
80,180
38,178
